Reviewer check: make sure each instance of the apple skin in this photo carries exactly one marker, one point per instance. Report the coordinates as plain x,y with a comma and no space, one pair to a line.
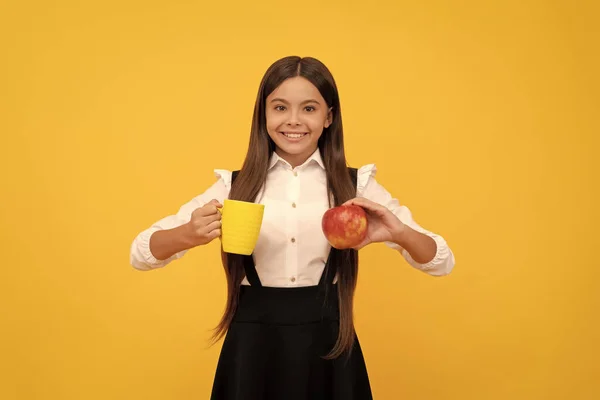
345,227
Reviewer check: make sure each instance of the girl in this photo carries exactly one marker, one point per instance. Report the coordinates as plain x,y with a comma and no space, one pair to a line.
288,324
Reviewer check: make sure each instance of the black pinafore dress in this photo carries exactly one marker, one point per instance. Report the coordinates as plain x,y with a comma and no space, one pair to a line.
275,345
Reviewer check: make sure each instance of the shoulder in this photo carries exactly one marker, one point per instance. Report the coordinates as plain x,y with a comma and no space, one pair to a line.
363,175
225,176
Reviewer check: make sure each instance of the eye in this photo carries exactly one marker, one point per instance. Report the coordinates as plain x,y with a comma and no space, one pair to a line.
309,108
280,108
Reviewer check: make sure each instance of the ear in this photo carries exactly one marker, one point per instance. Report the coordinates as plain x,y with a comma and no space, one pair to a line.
329,119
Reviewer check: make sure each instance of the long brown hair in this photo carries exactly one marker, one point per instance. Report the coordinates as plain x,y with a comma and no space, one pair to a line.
253,174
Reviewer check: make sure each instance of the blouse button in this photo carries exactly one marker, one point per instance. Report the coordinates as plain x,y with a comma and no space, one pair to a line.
295,173
293,240
294,205
293,279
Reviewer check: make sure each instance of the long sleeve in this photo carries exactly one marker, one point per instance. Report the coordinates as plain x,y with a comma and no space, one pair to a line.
369,188
141,257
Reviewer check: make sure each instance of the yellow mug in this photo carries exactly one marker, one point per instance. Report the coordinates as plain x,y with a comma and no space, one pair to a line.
240,226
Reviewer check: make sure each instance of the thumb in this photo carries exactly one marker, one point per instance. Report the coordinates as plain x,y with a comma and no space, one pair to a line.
215,203
362,244
366,204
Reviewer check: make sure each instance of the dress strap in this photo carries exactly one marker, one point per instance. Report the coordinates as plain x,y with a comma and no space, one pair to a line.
250,270
328,275
249,267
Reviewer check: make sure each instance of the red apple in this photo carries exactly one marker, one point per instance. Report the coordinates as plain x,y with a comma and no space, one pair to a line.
345,227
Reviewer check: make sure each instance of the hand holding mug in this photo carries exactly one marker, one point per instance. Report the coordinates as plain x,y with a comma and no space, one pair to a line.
205,224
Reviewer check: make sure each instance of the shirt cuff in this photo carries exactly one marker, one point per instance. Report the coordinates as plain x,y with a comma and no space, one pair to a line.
441,264
141,256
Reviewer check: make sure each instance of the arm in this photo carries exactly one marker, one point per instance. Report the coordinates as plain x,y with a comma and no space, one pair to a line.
168,242
203,227
421,248
171,237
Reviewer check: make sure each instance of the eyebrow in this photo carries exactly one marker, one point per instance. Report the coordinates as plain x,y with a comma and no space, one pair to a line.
286,102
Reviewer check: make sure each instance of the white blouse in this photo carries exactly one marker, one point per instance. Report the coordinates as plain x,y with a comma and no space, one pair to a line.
292,250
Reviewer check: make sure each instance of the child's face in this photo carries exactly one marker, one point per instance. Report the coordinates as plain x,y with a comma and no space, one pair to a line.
296,115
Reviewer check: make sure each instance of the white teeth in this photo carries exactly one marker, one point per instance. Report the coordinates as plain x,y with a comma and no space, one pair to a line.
294,135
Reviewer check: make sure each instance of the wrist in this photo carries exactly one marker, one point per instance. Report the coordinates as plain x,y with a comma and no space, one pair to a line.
186,236
399,234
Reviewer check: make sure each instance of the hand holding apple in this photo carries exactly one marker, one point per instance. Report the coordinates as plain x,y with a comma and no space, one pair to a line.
380,224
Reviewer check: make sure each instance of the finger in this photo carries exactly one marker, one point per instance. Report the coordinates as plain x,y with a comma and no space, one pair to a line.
364,203
360,246
208,209
357,201
210,235
213,225
214,234
216,203
351,201
211,218
204,228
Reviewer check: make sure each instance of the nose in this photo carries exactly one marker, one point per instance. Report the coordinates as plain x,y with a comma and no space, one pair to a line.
293,120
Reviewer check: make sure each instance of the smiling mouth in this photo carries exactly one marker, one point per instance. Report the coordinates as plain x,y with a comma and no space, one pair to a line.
294,135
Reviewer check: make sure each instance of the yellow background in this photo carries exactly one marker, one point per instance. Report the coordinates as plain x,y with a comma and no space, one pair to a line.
481,116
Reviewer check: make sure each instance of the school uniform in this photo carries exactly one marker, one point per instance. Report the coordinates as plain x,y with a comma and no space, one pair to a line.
287,317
